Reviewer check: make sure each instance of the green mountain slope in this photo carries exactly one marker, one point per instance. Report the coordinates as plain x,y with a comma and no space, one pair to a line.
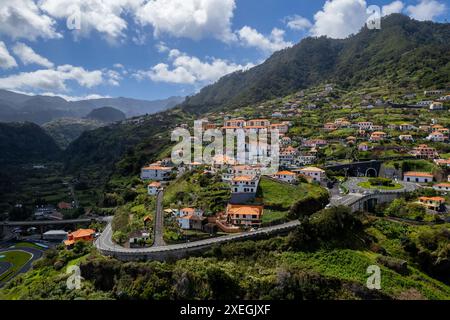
25,143
66,130
106,114
404,52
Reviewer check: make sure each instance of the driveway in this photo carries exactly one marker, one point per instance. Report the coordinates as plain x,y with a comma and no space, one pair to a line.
159,222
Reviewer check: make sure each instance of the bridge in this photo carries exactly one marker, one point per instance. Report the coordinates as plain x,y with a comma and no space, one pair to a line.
44,223
365,202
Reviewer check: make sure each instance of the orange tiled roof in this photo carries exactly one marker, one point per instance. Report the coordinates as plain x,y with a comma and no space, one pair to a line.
444,184
245,209
156,167
80,233
418,174
155,184
439,199
69,242
312,169
285,173
244,178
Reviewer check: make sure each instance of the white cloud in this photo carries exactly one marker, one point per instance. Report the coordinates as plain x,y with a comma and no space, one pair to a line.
394,7
24,19
426,10
6,60
52,79
297,22
185,69
113,77
73,98
194,19
103,16
250,37
340,18
28,56
162,47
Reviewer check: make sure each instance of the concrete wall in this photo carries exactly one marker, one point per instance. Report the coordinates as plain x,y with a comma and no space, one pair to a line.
379,197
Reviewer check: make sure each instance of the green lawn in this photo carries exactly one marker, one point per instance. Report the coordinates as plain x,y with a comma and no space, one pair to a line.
17,259
280,196
368,185
27,245
271,216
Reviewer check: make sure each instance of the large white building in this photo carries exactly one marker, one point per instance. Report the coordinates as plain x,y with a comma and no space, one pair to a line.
244,184
156,172
418,177
315,174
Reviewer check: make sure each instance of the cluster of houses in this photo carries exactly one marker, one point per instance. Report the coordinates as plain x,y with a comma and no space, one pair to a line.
244,209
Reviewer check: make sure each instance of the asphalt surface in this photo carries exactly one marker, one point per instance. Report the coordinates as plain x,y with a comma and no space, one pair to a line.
35,255
352,186
159,221
4,266
105,244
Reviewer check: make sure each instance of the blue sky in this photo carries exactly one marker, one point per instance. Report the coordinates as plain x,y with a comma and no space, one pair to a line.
152,49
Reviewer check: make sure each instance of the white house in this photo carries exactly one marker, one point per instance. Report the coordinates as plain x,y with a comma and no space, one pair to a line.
191,218
363,147
156,172
153,188
436,106
442,187
365,125
418,177
405,137
316,174
436,136
244,184
285,176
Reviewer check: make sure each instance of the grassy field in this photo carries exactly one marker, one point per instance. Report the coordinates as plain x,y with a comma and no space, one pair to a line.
27,245
271,216
17,259
280,196
368,185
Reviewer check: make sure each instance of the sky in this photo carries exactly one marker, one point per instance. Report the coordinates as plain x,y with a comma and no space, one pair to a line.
154,49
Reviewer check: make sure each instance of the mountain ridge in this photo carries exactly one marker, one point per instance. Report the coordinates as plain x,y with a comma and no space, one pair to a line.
17,107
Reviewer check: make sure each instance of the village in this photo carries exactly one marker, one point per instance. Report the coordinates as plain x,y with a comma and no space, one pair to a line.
302,161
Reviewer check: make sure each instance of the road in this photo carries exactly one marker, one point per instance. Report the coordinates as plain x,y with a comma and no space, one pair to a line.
105,244
35,255
159,221
352,185
47,222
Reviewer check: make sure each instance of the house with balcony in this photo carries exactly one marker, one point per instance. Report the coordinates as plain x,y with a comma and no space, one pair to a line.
423,151
436,204
244,215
